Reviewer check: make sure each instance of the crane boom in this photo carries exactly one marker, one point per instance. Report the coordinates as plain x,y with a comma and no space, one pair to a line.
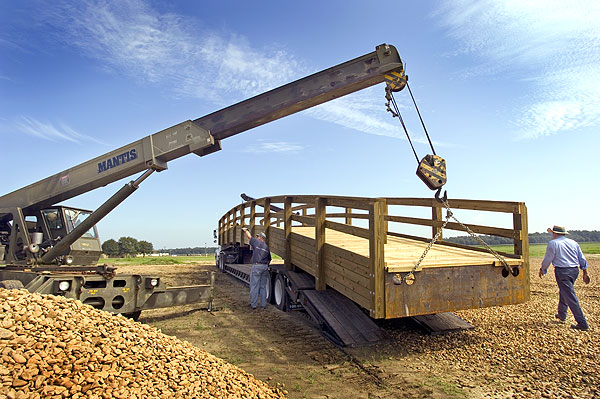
202,136
34,229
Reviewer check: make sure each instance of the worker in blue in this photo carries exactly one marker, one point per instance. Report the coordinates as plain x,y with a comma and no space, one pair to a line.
261,257
567,258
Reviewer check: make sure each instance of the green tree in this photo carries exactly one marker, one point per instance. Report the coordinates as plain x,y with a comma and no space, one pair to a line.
110,248
128,246
145,247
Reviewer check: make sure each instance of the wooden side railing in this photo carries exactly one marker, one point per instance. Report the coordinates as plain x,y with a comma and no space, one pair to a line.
359,277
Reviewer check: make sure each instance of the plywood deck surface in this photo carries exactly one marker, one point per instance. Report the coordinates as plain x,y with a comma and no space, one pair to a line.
402,254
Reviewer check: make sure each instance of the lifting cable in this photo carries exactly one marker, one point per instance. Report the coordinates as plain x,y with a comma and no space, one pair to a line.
396,114
409,277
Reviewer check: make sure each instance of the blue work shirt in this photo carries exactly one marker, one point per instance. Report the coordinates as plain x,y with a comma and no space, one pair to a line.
260,252
563,252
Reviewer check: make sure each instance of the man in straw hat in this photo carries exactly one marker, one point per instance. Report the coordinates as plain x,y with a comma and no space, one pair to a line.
261,257
567,258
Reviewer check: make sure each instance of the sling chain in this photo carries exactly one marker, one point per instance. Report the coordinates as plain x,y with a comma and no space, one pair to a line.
437,169
409,278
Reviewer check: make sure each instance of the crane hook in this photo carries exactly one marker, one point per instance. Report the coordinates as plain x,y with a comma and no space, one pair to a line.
444,198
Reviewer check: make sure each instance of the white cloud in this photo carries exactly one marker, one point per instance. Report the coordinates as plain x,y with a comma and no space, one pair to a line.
132,38
548,45
48,131
273,147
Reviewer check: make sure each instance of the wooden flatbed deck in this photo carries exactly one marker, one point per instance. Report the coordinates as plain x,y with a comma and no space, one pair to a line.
351,245
401,254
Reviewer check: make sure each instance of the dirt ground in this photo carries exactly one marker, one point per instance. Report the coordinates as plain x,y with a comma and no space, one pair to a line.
514,351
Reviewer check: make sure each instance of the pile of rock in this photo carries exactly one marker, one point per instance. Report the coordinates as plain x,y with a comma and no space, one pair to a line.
57,347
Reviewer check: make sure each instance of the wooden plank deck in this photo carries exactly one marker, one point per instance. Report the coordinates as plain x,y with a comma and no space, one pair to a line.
401,254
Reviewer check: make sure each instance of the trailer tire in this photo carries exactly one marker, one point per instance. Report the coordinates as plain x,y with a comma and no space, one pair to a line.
270,296
280,295
12,284
222,262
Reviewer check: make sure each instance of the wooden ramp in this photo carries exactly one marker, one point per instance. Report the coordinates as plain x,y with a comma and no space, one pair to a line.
340,319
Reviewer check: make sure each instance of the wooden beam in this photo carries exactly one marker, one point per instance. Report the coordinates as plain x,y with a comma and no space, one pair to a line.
348,217
476,205
242,223
320,212
377,256
252,218
352,230
344,215
267,219
287,228
521,246
496,231
305,220
350,202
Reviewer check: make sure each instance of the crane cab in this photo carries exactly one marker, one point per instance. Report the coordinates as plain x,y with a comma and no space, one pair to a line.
44,229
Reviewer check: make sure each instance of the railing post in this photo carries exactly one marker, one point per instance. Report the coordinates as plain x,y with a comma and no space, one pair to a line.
348,213
521,244
229,241
267,218
242,222
320,214
220,230
377,241
287,228
304,213
235,229
252,218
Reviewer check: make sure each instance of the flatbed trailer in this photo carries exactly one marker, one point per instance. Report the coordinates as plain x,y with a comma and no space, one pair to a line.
338,249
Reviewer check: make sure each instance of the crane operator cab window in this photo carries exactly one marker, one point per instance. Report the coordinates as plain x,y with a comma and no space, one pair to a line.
74,217
54,222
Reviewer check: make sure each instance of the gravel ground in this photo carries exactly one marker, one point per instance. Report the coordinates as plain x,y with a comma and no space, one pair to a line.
53,347
520,350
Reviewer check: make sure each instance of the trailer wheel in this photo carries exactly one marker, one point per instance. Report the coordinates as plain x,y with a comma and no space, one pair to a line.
222,262
12,284
280,295
270,295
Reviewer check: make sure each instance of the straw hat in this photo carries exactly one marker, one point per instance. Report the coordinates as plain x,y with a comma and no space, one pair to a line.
558,230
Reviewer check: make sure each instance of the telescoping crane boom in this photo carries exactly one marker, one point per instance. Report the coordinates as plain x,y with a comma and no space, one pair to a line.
35,231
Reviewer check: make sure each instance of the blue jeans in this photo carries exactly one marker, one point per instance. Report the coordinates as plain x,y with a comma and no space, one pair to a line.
258,285
565,278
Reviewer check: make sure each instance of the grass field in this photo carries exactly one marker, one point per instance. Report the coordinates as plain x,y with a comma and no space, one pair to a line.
163,260
538,250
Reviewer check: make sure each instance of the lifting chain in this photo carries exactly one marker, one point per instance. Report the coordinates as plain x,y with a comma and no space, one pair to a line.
432,170
409,278
507,269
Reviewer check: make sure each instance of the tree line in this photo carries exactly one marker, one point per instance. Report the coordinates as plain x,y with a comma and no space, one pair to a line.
191,251
126,246
129,246
534,238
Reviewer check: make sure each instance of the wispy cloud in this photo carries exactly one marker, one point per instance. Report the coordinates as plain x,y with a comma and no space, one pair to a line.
49,131
273,147
552,47
132,38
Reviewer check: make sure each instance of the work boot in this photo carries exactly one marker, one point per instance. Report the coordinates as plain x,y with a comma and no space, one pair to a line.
560,319
579,327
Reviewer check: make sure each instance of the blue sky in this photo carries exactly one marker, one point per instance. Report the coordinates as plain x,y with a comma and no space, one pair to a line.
509,91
